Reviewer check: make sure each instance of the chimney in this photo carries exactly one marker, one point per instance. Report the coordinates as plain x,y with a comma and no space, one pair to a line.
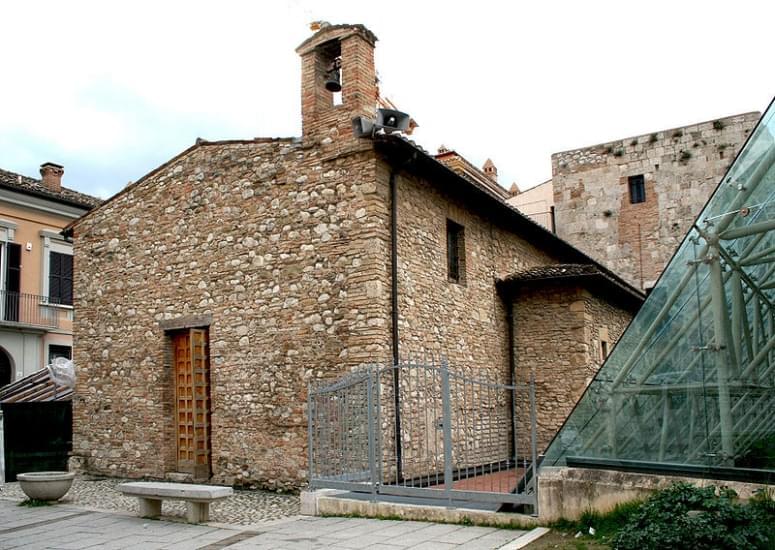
490,170
351,47
51,174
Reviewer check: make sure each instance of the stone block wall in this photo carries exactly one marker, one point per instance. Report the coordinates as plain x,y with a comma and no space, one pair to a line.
565,354
681,168
463,322
283,250
466,321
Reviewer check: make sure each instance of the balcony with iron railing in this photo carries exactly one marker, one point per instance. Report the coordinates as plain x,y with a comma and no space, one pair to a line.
19,309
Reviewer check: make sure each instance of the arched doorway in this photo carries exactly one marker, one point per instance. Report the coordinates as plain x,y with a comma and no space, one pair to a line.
6,368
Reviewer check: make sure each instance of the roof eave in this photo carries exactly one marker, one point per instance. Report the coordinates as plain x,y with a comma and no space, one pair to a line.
496,206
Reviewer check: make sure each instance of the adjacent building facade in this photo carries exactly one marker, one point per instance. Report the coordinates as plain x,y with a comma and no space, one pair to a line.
36,270
537,203
215,288
628,203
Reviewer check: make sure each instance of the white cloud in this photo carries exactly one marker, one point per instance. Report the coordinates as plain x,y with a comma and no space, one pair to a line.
123,84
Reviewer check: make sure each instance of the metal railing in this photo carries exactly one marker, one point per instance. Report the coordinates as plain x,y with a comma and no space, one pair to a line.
33,310
424,430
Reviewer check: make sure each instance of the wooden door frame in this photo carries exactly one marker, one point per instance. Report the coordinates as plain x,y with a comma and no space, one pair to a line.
199,470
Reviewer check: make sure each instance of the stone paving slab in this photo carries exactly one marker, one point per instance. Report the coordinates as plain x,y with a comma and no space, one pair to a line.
67,527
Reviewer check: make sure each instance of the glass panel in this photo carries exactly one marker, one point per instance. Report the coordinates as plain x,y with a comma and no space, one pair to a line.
691,380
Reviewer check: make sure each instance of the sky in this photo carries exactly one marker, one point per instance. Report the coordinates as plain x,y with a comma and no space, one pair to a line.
112,90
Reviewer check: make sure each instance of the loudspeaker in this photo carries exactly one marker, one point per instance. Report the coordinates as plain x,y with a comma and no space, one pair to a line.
363,127
392,121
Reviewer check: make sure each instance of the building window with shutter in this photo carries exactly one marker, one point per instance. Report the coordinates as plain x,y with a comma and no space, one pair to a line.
456,253
60,278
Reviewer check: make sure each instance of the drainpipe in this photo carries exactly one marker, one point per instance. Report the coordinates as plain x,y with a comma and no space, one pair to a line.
509,304
394,315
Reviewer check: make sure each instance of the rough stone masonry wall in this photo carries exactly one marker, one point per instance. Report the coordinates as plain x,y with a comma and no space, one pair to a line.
681,168
463,322
564,354
283,248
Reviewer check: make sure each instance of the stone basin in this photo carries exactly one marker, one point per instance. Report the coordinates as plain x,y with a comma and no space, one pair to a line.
45,485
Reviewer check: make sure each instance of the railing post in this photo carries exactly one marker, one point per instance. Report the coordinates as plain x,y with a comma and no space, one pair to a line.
378,426
533,443
370,433
309,431
447,418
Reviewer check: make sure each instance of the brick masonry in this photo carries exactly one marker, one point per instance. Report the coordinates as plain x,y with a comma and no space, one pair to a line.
681,168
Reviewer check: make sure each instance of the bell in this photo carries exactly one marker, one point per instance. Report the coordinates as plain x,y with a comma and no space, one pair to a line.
334,76
333,80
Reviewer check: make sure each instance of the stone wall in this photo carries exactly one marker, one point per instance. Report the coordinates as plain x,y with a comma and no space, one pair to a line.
568,493
285,251
281,248
681,168
563,354
464,321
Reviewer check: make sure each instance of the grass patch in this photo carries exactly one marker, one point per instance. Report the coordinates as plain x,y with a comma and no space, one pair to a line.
35,503
605,524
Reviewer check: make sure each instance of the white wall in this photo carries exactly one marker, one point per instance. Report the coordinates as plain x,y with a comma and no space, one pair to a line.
24,349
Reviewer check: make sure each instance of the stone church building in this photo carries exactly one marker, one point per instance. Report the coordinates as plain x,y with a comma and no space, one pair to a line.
213,289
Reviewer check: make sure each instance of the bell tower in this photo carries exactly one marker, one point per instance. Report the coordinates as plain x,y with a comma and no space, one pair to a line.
343,53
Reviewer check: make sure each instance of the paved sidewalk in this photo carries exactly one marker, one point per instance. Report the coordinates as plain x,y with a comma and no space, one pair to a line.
68,527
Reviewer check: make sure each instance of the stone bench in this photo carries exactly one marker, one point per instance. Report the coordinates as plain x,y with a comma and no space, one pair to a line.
197,497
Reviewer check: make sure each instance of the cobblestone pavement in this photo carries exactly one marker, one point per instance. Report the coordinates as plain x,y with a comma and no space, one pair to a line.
244,508
64,526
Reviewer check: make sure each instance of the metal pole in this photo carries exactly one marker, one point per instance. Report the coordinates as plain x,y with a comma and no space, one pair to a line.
719,329
533,443
447,419
665,425
309,431
747,230
370,433
378,426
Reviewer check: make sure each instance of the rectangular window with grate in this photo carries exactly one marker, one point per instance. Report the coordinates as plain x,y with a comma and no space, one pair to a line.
637,189
456,252
60,278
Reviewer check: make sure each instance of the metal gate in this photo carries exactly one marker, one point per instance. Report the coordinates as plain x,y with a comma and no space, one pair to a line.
38,436
421,429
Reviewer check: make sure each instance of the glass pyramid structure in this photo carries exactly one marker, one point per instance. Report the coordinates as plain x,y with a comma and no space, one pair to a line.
690,384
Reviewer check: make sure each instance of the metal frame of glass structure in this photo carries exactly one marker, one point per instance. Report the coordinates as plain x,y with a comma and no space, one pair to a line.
691,380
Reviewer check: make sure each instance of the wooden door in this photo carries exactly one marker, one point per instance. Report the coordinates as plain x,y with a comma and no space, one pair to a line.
192,401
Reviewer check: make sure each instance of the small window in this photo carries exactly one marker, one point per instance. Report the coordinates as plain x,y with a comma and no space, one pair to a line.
637,189
603,350
60,279
455,252
55,351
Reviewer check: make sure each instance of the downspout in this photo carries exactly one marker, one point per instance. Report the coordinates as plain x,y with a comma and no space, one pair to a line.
394,316
509,303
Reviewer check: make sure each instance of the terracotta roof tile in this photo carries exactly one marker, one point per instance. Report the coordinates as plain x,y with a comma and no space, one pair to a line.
34,186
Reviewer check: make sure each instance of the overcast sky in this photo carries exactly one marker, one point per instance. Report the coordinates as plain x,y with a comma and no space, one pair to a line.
111,90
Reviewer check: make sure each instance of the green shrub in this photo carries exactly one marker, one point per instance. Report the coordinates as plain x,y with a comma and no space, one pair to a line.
688,517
